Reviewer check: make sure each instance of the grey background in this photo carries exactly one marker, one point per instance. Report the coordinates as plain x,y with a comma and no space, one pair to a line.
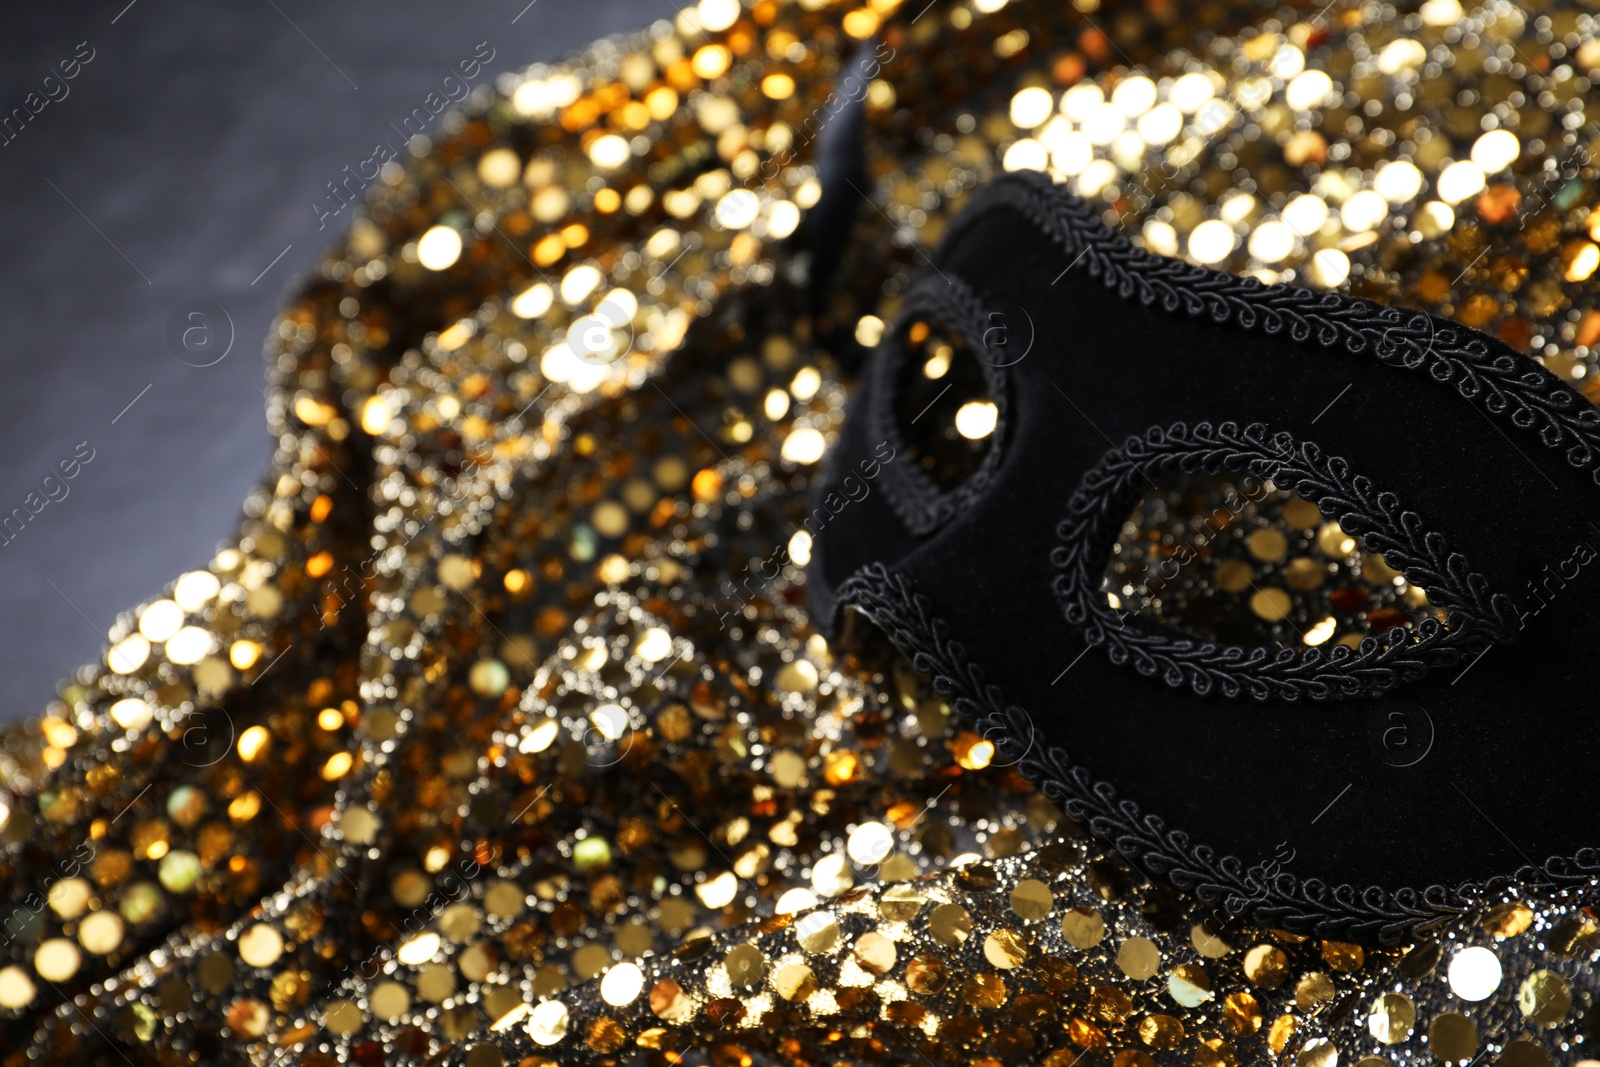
192,144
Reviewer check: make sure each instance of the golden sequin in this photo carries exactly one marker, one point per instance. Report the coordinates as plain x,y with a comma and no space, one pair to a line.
507,698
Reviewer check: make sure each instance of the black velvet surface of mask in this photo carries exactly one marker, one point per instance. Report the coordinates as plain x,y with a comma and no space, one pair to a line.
1264,780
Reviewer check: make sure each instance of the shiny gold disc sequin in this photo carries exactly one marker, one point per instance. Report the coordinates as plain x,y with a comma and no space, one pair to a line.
973,751
1271,604
436,983
1507,920
1189,985
1334,542
926,975
1301,514
17,990
984,991
1303,574
1266,966
1031,900
1233,576
870,843
1420,960
798,676
1139,958
1085,1034
69,897
1343,956
1544,997
1083,928
1574,935
1207,943
390,1000
670,1003
548,1022
100,932
1242,1012
1268,544
746,966
818,931
1391,1018
248,1017
717,891
1005,949
794,981
1317,1052
419,949
875,952
1313,989
1161,1031
1376,570
1524,1052
1474,973
56,959
1109,1004
622,984
900,903
950,925
1453,1037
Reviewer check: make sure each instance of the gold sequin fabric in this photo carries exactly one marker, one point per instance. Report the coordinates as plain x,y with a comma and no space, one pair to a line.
499,732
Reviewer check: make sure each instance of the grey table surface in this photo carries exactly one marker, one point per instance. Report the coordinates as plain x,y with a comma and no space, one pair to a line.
180,164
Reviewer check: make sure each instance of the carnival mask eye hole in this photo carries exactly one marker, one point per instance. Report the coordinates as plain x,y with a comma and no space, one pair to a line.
1237,561
944,409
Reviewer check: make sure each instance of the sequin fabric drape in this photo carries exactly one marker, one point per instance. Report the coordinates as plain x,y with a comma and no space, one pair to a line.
499,734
